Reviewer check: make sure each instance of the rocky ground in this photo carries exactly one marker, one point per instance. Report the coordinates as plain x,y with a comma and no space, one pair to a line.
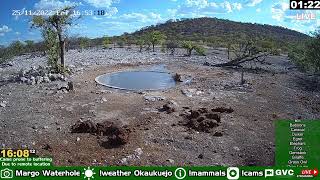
214,120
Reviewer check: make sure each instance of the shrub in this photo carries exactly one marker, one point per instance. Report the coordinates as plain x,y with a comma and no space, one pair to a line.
106,41
140,42
200,50
52,45
84,43
120,44
190,46
307,55
156,37
171,46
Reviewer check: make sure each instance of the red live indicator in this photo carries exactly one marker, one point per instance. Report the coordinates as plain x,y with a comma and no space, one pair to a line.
313,172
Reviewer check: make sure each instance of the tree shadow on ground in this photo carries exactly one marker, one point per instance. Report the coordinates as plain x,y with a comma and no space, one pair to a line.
309,83
4,82
256,70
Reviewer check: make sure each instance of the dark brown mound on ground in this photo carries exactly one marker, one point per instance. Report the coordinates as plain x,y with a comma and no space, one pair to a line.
84,127
109,134
201,120
222,110
115,135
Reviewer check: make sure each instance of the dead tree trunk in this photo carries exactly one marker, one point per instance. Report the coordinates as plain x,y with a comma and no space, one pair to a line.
242,77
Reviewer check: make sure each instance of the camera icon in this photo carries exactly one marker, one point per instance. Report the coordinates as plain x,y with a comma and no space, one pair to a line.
233,173
6,173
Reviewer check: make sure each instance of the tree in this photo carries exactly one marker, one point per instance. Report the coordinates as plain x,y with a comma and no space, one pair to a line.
17,47
307,54
29,45
56,25
228,49
156,37
140,42
313,52
52,43
189,46
84,42
171,46
106,41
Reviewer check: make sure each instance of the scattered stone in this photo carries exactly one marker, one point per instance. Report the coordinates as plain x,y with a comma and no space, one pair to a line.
138,152
91,111
70,86
200,156
65,86
103,99
22,73
222,109
23,79
78,139
186,93
84,127
170,161
3,104
62,85
69,109
141,92
39,75
46,79
31,81
154,98
169,108
45,127
218,134
236,148
47,147
124,161
199,93
39,79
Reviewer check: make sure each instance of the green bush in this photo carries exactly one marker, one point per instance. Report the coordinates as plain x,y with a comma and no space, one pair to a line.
84,43
140,42
120,44
190,46
307,55
106,42
200,50
171,46
53,51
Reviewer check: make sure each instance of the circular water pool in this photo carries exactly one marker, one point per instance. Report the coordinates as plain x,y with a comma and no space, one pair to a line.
137,80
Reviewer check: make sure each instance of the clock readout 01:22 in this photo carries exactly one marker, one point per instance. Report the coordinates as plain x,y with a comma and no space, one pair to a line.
12,153
305,4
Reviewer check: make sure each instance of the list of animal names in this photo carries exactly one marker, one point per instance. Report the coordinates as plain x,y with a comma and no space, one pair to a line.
297,143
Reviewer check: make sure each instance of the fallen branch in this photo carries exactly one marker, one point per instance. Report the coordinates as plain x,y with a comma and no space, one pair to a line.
246,58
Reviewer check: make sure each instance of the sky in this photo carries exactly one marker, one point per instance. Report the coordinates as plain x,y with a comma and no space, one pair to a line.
131,15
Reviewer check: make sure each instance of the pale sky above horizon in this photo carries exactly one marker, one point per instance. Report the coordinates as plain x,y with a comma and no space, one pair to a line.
131,15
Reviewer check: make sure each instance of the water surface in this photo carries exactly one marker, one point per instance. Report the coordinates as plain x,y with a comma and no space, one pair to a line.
137,80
